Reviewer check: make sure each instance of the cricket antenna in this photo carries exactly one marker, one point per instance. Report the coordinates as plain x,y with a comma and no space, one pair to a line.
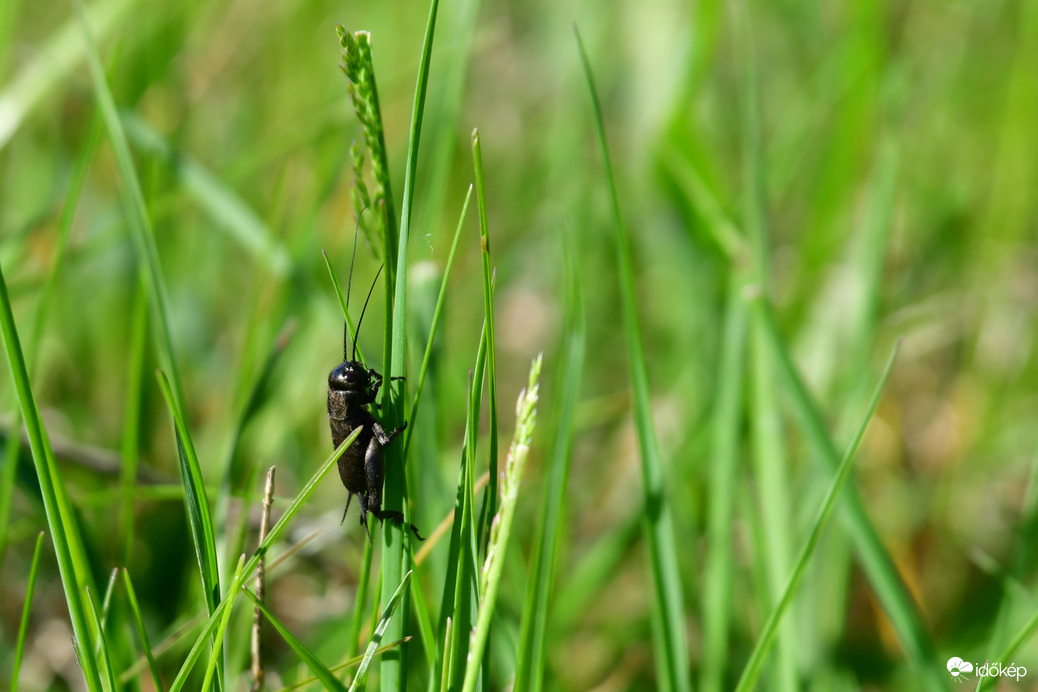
349,285
363,310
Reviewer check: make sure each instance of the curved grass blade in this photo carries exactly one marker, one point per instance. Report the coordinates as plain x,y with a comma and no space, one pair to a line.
51,66
497,544
767,636
23,627
142,632
489,510
380,631
64,531
293,507
354,661
877,563
223,205
68,215
197,503
140,224
668,606
315,665
102,642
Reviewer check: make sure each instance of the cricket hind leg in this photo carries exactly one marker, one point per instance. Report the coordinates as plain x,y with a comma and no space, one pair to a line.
398,519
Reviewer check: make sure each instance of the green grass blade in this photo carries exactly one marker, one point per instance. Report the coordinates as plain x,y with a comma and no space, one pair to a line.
1025,633
129,448
490,507
354,661
361,601
196,501
724,468
102,642
379,633
296,504
201,641
142,632
434,325
767,636
215,655
223,205
50,68
771,470
497,544
140,224
315,665
886,582
68,215
395,559
668,607
23,627
458,602
68,545
533,640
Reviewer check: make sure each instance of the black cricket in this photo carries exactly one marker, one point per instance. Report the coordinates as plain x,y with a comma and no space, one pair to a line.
352,387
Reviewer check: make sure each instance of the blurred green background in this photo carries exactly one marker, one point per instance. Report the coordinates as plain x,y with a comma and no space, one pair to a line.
898,162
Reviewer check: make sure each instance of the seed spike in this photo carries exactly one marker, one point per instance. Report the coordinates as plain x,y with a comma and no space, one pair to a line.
363,310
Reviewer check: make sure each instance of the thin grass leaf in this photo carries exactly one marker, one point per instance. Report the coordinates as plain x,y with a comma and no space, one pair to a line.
196,501
458,602
668,607
770,465
46,296
422,616
102,643
315,665
490,507
501,530
724,465
360,602
297,503
204,637
886,581
533,640
142,632
767,636
1021,637
140,224
68,545
23,627
223,205
215,655
434,326
395,559
380,630
129,449
51,66
354,661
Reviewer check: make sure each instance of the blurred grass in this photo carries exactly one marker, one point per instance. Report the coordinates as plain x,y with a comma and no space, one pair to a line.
885,190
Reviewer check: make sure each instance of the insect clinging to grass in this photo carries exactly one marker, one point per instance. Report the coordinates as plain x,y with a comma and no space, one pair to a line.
352,387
